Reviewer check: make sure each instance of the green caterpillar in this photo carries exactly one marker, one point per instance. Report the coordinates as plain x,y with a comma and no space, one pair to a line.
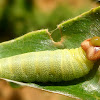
44,66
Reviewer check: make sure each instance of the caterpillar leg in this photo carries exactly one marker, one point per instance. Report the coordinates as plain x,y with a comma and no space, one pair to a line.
92,51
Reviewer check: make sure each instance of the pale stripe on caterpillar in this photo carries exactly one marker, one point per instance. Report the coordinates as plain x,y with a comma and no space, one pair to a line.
54,66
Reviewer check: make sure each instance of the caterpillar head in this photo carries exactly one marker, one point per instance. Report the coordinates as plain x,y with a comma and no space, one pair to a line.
92,48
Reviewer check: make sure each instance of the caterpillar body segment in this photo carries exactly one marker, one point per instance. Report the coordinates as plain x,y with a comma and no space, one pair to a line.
44,66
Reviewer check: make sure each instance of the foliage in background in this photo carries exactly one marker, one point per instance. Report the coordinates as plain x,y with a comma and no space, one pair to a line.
18,17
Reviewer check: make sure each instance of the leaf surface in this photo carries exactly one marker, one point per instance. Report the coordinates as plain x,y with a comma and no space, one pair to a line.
72,32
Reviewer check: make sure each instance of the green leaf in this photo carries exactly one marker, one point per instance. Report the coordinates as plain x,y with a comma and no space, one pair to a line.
73,32
31,42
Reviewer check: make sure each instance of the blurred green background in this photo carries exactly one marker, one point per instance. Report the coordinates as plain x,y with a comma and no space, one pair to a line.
18,17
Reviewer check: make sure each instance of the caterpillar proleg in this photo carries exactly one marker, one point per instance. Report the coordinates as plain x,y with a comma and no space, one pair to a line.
55,66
